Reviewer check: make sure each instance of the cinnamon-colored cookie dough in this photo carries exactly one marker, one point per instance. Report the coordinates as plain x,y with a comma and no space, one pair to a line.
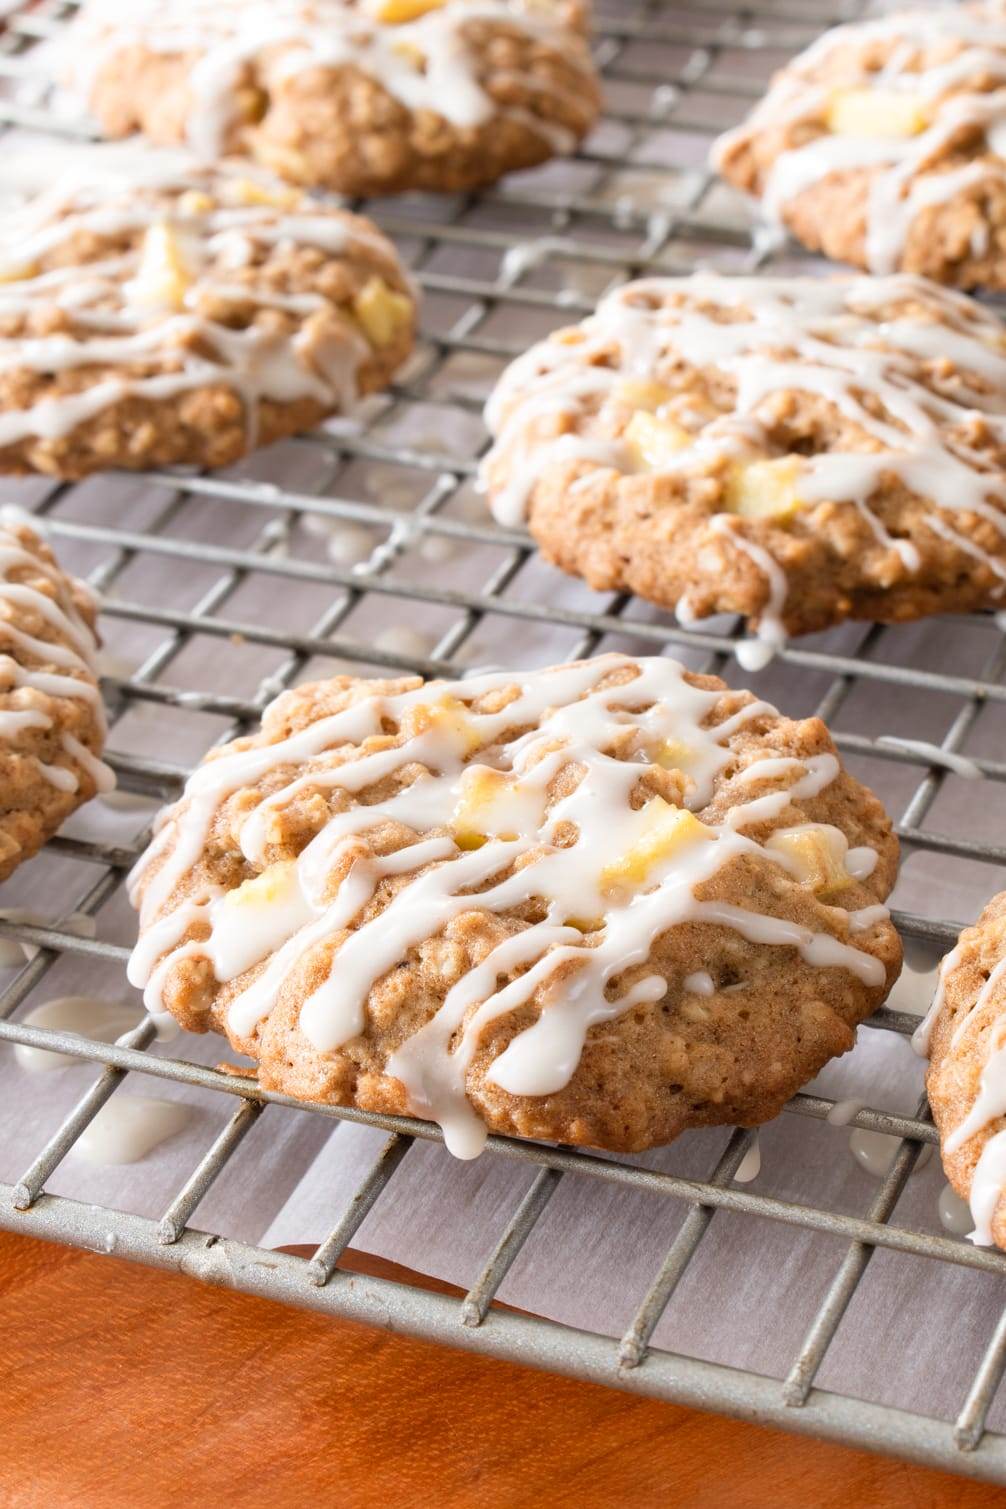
52,726
156,310
800,451
596,904
359,96
884,145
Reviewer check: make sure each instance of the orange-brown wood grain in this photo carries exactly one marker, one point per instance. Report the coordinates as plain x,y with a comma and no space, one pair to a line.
123,1386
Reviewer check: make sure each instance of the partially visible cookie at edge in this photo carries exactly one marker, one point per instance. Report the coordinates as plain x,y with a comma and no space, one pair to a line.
52,725
800,451
359,96
157,310
596,904
884,145
965,1039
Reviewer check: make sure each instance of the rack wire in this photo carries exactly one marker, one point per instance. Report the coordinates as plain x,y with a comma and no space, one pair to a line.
532,253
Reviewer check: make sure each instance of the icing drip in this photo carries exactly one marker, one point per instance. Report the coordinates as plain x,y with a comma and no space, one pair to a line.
836,340
876,1151
65,642
953,1212
970,87
844,1111
750,1165
128,1127
426,64
91,1016
159,306
510,830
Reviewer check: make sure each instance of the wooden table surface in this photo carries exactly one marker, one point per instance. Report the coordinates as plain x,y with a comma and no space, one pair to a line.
125,1386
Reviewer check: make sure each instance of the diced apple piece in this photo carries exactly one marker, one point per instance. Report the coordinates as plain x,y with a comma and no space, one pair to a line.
816,854
272,886
448,718
382,312
665,830
764,489
652,442
876,113
395,12
245,191
162,278
494,805
636,393
671,754
410,53
196,202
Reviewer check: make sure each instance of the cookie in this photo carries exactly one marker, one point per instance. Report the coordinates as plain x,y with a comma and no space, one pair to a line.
964,1037
154,310
799,451
884,143
358,96
596,904
52,724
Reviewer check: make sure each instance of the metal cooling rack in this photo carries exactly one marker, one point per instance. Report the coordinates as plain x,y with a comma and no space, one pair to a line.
636,199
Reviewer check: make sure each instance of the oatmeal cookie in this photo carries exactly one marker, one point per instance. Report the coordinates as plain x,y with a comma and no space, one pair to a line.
883,145
359,96
598,904
154,310
52,725
965,1038
799,451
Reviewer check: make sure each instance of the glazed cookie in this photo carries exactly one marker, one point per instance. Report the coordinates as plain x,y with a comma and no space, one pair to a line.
52,726
884,144
964,1037
595,904
359,96
799,451
154,311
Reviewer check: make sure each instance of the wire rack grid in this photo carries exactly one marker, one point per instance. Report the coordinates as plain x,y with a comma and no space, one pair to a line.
534,252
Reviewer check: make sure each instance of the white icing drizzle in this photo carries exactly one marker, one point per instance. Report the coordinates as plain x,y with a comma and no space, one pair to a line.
987,1184
923,1034
867,916
119,320
990,1101
66,642
756,654
955,91
281,39
836,340
574,718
